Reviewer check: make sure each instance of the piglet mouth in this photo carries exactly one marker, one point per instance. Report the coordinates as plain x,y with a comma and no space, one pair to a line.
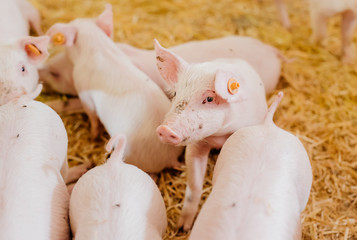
168,136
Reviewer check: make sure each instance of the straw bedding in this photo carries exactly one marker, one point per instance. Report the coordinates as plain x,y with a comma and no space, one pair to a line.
320,103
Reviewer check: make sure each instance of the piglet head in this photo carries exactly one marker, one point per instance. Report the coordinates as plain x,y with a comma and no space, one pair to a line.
18,66
66,34
56,75
62,34
202,95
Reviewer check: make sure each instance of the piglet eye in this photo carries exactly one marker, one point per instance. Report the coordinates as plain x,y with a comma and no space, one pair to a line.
54,74
23,69
209,99
172,95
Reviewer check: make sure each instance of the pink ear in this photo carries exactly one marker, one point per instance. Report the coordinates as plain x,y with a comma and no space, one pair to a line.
105,20
168,63
35,48
62,34
225,89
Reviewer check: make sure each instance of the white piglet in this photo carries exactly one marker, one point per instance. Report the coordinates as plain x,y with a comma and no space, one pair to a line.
18,66
117,201
265,59
16,18
261,183
211,101
115,92
321,11
20,55
33,153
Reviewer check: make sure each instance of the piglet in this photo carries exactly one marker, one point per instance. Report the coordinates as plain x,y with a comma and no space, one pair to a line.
16,18
117,201
115,92
34,200
321,11
265,59
18,66
212,100
261,183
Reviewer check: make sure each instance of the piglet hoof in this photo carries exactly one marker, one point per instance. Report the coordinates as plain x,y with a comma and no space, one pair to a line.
186,220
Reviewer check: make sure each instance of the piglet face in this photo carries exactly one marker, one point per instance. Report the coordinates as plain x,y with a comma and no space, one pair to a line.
18,66
203,95
197,110
57,75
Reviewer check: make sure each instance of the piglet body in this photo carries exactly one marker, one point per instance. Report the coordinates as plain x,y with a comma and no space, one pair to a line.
211,101
261,183
116,93
321,11
16,18
117,201
33,154
265,59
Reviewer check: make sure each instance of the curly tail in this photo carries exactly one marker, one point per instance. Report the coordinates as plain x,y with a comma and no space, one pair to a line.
270,114
117,143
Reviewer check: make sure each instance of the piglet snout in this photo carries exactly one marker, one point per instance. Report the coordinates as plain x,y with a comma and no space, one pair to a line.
167,135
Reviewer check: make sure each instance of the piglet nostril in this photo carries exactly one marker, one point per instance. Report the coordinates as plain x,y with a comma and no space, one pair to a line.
167,135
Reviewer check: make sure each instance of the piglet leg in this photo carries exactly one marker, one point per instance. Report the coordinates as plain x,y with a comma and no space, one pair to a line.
319,26
348,27
284,16
196,161
89,108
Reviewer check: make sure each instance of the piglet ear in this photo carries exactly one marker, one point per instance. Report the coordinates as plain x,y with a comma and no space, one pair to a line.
62,34
35,48
229,86
105,20
168,63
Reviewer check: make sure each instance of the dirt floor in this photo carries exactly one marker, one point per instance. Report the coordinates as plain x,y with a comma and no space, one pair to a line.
320,103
